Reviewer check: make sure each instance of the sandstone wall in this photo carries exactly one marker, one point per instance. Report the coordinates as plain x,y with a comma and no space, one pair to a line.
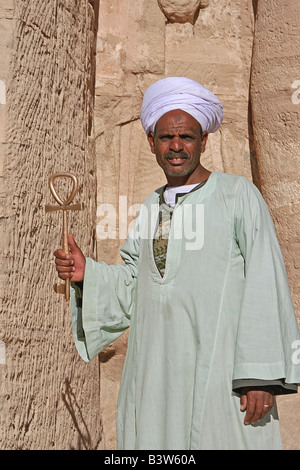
48,396
276,122
275,87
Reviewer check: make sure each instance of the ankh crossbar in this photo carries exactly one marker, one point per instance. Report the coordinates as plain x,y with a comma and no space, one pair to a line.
64,206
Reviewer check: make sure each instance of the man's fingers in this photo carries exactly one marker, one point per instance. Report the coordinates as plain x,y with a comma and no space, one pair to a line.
70,265
243,402
64,262
255,413
258,405
65,275
65,272
268,403
250,409
61,254
64,265
65,269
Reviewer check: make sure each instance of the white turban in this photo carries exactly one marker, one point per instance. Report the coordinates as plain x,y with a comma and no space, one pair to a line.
185,94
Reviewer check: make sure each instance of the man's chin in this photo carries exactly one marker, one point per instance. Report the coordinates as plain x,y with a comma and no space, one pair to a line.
176,171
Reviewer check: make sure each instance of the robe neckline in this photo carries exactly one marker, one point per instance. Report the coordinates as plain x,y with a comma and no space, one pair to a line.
201,194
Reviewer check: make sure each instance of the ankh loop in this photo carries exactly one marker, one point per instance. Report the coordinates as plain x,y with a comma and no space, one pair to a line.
64,206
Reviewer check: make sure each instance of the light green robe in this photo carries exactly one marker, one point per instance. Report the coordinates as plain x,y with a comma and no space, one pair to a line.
222,312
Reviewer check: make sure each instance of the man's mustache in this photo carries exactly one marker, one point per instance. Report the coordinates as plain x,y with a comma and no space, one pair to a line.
176,155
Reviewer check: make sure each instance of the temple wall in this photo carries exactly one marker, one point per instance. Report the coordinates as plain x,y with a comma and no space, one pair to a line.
275,90
49,398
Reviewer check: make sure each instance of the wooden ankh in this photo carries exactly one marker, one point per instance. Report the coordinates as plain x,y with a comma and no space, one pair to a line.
64,206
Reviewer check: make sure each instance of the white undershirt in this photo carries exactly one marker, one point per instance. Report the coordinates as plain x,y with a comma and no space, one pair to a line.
170,192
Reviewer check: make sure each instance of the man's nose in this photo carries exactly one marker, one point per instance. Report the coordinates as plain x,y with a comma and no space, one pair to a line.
176,144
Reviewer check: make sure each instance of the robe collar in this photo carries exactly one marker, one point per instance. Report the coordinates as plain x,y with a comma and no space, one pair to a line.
179,195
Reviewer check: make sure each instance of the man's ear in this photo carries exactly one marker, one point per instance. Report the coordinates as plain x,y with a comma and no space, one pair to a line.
204,140
151,141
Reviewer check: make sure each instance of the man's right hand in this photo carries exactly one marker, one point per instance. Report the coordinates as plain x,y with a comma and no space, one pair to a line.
71,265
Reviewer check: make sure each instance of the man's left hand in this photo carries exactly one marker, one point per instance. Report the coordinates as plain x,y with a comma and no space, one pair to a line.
256,403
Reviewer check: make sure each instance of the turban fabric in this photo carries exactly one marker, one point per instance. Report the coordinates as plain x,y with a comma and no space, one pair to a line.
185,94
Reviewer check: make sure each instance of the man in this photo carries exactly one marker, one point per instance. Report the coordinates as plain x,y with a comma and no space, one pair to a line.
212,326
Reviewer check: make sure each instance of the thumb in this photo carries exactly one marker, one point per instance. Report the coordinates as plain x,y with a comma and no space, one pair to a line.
71,242
243,402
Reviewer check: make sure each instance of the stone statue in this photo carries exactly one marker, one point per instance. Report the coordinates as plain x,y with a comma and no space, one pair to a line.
182,11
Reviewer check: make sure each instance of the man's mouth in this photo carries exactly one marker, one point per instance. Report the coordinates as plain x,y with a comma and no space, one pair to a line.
176,159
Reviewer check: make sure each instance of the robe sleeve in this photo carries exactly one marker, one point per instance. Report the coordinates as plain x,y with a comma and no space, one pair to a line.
101,307
276,387
267,329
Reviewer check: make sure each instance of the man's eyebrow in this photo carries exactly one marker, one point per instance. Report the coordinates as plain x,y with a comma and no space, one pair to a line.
181,132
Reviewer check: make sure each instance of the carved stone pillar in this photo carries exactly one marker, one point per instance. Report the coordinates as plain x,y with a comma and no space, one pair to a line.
275,89
49,398
276,123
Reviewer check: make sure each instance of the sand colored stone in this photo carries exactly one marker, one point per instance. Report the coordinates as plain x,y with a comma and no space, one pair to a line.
47,394
276,130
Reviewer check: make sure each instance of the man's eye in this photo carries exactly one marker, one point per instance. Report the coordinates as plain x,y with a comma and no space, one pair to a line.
187,137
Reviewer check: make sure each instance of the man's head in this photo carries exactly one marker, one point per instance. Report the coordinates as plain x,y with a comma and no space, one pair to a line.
185,110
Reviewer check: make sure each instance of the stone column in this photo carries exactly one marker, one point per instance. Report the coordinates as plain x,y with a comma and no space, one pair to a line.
275,89
49,398
276,122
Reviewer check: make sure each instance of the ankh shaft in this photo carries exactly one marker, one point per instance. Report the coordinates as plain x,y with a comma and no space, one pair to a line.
66,250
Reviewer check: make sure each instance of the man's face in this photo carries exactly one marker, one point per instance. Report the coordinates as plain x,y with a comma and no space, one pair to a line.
178,144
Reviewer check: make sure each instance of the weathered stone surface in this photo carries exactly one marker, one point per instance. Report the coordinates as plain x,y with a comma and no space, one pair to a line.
47,394
276,122
276,128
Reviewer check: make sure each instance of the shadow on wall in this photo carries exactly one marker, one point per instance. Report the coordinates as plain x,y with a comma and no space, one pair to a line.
91,83
253,155
84,441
